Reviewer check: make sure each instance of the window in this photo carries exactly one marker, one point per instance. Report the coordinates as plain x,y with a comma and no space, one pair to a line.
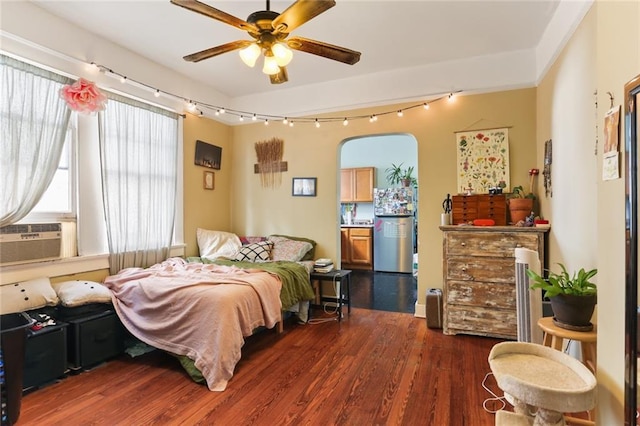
59,200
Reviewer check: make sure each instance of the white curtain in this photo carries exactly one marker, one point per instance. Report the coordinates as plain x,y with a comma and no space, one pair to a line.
138,155
33,127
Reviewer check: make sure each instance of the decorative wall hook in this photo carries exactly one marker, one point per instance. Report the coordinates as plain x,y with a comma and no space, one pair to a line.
610,99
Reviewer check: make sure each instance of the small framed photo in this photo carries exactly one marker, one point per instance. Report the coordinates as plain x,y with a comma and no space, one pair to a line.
303,187
208,180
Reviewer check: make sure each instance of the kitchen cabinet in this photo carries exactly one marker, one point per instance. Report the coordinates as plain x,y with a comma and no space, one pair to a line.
356,248
466,208
356,185
479,294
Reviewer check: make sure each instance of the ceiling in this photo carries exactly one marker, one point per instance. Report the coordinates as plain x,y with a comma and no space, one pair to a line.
401,43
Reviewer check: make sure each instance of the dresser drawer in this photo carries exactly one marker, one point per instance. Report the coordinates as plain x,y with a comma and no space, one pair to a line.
481,294
501,323
489,244
497,270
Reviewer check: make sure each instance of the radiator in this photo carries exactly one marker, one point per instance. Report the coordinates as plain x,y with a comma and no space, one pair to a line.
528,302
29,242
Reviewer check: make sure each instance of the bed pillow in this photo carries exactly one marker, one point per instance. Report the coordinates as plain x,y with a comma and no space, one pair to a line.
251,240
256,252
27,295
77,293
215,244
310,255
286,249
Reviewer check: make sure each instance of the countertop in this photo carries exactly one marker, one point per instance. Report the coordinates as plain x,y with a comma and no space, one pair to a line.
368,225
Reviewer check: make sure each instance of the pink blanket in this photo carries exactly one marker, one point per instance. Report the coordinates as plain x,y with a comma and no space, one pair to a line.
199,310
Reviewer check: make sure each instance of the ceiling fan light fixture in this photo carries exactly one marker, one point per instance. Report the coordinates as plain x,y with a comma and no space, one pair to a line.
270,66
282,54
250,54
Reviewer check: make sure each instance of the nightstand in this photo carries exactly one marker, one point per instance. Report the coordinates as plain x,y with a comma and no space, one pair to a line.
340,276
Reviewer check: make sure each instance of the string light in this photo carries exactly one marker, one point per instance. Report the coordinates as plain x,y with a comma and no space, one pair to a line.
217,110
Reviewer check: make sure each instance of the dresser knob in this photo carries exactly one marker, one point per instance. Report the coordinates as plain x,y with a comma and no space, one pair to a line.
463,244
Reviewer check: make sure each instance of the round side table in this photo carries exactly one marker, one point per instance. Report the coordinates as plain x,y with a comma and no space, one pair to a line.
554,337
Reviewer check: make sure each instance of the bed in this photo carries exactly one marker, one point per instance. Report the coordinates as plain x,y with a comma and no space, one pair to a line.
200,309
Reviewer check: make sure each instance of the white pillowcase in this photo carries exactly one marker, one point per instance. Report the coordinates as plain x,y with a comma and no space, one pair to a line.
77,293
215,244
27,295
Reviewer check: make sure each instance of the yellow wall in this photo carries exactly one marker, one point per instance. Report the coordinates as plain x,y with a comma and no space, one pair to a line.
209,209
314,152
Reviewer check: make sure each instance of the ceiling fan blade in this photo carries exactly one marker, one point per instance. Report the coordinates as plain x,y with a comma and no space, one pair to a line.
280,77
326,50
218,50
298,13
206,10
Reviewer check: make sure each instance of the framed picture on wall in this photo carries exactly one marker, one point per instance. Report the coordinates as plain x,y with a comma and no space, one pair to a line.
303,187
208,155
208,180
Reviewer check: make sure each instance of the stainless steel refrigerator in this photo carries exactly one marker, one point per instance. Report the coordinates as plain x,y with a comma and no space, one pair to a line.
393,229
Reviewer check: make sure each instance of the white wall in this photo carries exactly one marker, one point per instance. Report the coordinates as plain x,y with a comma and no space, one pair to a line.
587,214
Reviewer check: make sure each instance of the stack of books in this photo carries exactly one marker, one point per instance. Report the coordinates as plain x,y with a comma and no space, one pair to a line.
323,266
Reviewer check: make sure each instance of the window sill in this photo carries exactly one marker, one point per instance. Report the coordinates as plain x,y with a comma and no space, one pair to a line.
61,267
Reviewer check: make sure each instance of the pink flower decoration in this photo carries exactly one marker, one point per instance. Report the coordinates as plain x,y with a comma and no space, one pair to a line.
83,96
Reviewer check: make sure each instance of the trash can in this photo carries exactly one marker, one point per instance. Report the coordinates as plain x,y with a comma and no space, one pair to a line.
13,338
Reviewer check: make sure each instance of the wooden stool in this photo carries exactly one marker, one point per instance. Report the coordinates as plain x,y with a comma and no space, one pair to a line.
554,337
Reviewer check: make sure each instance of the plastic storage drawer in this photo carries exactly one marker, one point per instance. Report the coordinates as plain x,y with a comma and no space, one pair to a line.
46,355
94,339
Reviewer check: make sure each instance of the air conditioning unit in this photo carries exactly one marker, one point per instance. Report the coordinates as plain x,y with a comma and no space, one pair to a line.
22,243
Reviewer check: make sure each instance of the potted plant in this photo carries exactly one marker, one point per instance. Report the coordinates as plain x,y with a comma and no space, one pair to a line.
520,204
398,175
573,297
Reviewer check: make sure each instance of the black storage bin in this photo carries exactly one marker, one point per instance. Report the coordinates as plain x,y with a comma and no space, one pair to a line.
13,337
46,355
94,339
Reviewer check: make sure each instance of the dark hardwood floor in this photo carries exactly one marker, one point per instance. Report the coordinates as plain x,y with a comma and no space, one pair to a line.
384,291
373,368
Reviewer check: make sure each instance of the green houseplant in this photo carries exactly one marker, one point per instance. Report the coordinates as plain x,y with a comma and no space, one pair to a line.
573,297
398,175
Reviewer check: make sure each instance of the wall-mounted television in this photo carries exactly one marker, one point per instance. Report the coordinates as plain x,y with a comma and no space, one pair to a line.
208,155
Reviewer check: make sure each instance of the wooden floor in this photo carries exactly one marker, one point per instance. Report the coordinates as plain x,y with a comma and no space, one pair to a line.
373,368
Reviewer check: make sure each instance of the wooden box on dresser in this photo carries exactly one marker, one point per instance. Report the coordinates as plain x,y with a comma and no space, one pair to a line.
479,277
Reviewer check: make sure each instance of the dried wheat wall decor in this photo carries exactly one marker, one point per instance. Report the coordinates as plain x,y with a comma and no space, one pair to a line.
270,164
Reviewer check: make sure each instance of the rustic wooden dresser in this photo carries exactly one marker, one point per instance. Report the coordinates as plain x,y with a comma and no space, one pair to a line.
479,294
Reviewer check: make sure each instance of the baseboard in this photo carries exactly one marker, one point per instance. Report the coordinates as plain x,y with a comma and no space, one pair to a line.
421,310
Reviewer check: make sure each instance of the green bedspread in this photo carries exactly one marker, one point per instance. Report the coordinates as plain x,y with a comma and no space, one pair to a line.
296,285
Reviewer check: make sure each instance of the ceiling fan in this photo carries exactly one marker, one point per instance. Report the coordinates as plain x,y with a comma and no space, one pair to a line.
270,31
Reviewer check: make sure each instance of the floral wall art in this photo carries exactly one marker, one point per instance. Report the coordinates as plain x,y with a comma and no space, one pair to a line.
483,160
